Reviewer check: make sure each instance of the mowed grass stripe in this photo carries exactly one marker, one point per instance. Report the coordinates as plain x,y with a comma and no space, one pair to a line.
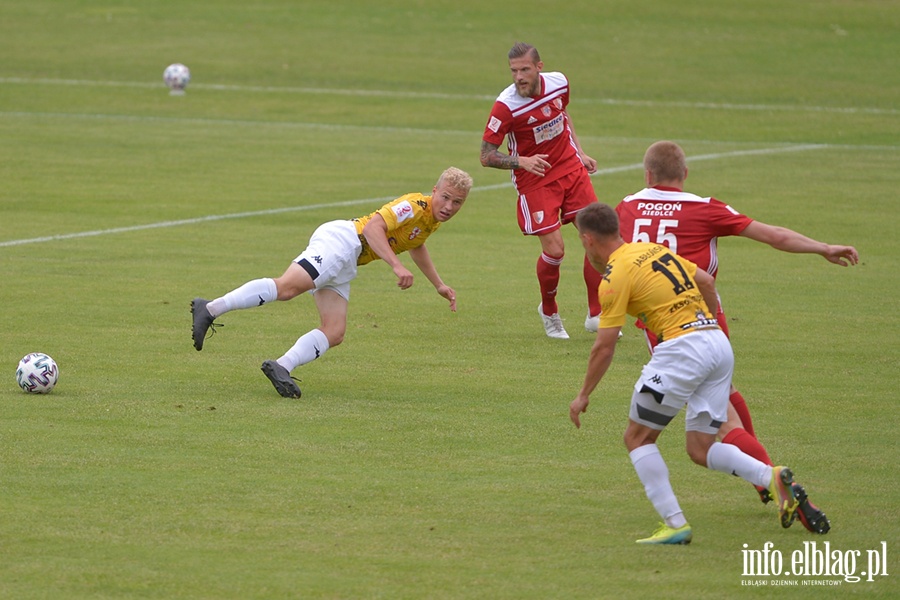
445,96
274,211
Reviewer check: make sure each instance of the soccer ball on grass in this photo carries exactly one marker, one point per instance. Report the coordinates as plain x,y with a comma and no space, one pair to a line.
177,76
37,373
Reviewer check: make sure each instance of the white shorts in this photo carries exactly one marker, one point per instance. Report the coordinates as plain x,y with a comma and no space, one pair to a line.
330,258
694,370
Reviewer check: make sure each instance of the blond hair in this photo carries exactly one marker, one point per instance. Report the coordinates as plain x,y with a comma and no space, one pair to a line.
457,179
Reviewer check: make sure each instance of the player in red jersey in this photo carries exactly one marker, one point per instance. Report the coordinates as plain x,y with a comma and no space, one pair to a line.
550,171
689,225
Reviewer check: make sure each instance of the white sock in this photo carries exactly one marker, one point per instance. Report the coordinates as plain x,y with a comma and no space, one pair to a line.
729,459
253,293
308,348
654,474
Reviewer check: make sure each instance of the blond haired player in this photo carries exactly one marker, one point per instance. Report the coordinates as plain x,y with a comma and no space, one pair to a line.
691,367
329,264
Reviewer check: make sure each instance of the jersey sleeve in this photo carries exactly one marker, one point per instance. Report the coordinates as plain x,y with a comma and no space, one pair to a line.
626,220
725,220
498,125
614,295
398,211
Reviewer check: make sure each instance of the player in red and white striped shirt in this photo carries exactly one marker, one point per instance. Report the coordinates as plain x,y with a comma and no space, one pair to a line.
690,226
550,171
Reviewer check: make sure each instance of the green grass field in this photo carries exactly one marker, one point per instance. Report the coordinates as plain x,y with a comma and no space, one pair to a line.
431,455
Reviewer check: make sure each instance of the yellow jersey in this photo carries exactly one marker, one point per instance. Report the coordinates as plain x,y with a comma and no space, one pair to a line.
649,282
409,223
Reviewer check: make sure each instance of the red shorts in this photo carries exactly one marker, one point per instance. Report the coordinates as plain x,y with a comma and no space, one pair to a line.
550,206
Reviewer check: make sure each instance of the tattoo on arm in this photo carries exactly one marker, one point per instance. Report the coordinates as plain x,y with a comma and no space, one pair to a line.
492,157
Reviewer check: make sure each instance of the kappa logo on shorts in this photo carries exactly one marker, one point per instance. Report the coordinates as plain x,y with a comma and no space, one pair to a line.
318,260
656,379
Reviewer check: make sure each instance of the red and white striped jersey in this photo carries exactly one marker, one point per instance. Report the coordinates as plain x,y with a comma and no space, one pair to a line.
537,125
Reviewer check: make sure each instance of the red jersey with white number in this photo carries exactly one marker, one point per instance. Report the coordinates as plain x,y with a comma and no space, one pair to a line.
689,225
537,125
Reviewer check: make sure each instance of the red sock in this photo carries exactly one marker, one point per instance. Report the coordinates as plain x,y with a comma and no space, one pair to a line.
592,278
747,444
737,401
548,278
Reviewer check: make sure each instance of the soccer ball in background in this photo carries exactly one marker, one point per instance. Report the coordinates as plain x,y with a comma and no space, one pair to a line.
37,373
177,76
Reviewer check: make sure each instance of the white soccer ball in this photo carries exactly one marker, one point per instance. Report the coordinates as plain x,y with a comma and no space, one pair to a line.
37,373
177,76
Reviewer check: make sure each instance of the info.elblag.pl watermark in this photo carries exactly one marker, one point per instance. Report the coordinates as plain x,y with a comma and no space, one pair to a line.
815,564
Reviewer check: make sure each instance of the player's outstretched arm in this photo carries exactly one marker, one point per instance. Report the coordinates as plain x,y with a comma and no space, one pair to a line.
598,363
841,255
422,259
788,240
375,233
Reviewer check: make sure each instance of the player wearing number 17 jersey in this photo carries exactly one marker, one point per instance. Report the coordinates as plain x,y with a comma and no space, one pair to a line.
691,368
691,225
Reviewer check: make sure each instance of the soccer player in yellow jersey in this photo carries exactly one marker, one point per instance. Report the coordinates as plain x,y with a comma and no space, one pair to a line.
691,367
329,264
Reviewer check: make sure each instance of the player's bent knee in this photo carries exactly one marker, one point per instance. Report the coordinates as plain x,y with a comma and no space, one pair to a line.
334,335
286,292
637,435
697,456
697,445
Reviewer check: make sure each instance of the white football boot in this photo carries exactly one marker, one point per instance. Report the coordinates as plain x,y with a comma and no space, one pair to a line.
553,324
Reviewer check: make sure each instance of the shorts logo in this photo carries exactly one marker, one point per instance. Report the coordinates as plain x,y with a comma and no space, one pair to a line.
414,233
494,124
656,379
538,216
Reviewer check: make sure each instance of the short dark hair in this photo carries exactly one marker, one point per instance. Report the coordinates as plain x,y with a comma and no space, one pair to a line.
520,49
666,162
599,219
